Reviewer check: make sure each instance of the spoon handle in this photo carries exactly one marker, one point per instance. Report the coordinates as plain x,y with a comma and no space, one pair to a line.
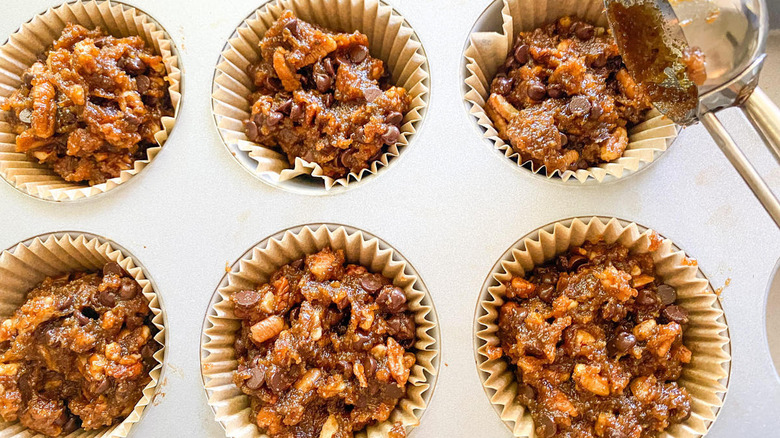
743,166
765,117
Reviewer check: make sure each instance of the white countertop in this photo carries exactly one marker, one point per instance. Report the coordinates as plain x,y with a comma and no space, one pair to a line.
451,206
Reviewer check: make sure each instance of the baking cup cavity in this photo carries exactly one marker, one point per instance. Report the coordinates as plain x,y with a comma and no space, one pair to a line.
218,357
22,50
28,263
706,377
390,38
487,47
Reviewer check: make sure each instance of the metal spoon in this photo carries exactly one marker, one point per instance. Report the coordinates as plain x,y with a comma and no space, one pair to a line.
732,35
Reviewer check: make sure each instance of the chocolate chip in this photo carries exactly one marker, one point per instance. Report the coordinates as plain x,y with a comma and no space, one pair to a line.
83,320
257,378
102,386
107,298
292,26
564,139
536,91
526,392
577,260
369,366
132,64
246,298
129,289
646,297
362,340
359,134
503,85
595,112
346,158
358,53
547,427
676,314
27,78
600,61
401,326
667,294
251,130
113,268
296,112
70,426
323,82
328,100
285,106
683,413
142,84
579,105
66,302
274,118
624,342
297,264
521,53
25,115
344,367
555,91
392,390
546,293
391,135
391,299
394,118
584,31
371,94
277,380
328,64
370,282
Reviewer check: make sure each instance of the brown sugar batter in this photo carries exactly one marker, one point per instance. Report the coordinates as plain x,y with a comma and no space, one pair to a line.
597,341
322,97
564,99
77,353
324,349
89,108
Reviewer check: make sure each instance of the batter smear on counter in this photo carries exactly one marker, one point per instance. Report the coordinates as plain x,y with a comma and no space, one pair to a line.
325,348
564,99
322,97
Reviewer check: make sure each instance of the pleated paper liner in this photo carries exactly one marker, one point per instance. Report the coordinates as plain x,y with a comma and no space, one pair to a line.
28,263
218,357
390,38
486,52
706,335
31,40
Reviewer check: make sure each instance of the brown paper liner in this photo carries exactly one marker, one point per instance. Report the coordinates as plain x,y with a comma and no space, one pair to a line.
21,51
487,51
28,263
706,335
218,358
390,38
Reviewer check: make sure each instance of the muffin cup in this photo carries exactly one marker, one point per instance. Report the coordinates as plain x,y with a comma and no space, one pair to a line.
218,357
28,263
706,335
21,51
391,39
486,52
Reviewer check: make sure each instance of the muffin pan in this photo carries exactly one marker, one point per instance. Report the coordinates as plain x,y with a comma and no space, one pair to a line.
452,207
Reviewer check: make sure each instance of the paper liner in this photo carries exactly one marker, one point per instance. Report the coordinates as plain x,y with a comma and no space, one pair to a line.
706,335
487,51
390,39
28,263
218,358
21,51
